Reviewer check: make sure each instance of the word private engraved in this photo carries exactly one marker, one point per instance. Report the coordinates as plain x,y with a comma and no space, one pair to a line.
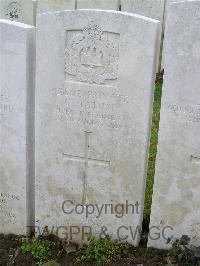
92,55
14,11
187,111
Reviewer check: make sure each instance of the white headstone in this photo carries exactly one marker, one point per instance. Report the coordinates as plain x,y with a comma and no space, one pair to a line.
54,5
18,10
17,52
167,3
93,99
148,8
99,4
176,201
35,3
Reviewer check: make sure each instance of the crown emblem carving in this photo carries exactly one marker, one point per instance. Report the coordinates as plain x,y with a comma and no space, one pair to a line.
14,11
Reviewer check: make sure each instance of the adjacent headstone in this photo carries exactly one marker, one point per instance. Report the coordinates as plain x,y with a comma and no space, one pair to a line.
176,202
44,6
17,50
148,8
95,79
18,10
167,3
99,4
35,3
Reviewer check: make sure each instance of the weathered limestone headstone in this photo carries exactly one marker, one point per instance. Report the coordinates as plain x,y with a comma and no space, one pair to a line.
176,201
54,5
99,4
148,8
167,3
18,10
35,3
95,79
17,50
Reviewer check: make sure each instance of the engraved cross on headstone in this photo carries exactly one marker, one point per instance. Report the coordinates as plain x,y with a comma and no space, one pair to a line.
86,160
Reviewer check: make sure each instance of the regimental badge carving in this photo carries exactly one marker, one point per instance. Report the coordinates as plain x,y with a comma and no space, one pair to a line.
14,11
92,55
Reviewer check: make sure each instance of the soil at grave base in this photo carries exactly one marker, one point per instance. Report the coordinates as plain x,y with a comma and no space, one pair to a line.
10,254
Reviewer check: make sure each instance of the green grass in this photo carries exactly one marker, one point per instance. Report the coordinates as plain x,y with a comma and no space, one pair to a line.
153,149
